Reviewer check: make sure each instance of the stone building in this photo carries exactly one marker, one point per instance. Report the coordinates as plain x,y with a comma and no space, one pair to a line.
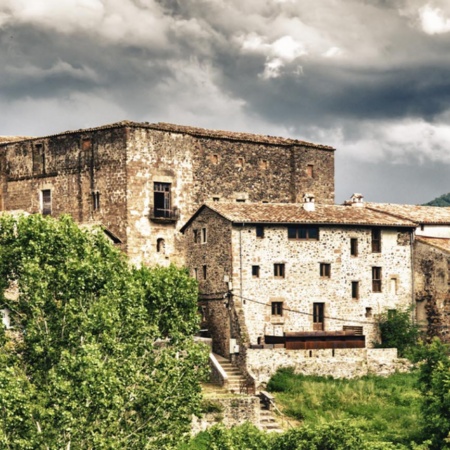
141,181
431,263
300,276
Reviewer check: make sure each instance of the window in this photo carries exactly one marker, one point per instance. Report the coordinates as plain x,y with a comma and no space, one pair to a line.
277,308
264,164
310,171
240,200
255,271
278,270
196,273
394,286
240,162
203,236
318,316
368,312
96,200
355,289
376,279
160,245
215,159
161,200
376,240
303,232
354,247
196,236
86,144
216,199
204,272
38,159
46,202
325,270
259,231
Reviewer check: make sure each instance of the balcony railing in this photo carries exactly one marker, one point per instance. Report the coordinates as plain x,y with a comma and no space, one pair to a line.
165,215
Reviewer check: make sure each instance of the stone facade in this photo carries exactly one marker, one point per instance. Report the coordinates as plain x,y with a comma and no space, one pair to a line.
265,282
143,181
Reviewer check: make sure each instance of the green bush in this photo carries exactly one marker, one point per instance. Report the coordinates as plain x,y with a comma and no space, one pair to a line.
398,330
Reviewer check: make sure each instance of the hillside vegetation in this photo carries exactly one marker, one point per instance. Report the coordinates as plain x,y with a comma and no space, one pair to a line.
443,200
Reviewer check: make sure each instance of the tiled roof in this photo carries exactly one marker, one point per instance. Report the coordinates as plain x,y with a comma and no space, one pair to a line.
13,138
286,213
440,243
194,131
431,215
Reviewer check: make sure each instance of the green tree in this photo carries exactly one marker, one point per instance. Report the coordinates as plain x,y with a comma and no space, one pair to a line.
398,330
434,384
84,366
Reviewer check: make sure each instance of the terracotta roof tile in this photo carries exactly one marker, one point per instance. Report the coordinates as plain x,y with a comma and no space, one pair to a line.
440,243
431,215
295,213
195,131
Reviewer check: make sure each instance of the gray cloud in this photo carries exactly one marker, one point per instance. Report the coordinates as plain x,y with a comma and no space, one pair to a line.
369,77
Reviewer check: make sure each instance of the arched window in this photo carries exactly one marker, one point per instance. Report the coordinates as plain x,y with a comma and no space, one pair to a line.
160,245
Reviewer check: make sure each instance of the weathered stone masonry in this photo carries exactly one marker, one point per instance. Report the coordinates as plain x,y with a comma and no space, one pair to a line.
109,175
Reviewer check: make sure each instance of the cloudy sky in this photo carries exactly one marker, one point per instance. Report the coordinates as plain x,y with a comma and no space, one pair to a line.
369,77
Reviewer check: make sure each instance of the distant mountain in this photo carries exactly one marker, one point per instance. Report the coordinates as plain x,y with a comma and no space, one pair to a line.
443,200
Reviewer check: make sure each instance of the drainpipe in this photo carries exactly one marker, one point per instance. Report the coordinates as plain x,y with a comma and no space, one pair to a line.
413,306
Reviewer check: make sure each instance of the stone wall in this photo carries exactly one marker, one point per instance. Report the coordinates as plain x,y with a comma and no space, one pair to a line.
337,363
432,289
303,285
72,167
232,411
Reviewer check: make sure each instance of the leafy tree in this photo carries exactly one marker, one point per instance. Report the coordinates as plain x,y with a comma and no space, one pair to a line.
443,200
434,384
397,330
84,366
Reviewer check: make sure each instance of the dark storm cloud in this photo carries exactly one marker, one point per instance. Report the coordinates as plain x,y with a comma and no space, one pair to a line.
369,77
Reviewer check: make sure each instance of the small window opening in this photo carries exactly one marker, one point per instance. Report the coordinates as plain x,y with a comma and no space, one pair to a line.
204,272
376,279
259,231
161,245
216,199
86,144
310,170
332,353
196,273
96,200
394,284
310,353
215,159
354,247
240,200
355,289
325,270
240,162
264,164
196,236
203,236
46,202
255,271
278,270
277,308
368,312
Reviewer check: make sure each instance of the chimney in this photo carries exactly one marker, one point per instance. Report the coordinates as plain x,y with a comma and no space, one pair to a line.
308,202
357,200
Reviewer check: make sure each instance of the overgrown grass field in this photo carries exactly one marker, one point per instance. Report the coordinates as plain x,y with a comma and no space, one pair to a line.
386,409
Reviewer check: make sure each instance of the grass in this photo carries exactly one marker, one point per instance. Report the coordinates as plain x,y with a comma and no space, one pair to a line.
385,409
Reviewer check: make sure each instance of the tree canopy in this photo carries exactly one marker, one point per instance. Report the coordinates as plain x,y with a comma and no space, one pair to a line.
101,354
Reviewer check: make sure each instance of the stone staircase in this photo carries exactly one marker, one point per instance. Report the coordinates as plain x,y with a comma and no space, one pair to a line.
235,378
267,421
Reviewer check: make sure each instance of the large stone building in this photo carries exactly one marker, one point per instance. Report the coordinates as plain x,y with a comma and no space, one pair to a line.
142,181
298,276
431,263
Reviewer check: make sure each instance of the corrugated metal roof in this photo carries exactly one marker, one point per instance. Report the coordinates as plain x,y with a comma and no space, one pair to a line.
431,215
195,131
286,213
